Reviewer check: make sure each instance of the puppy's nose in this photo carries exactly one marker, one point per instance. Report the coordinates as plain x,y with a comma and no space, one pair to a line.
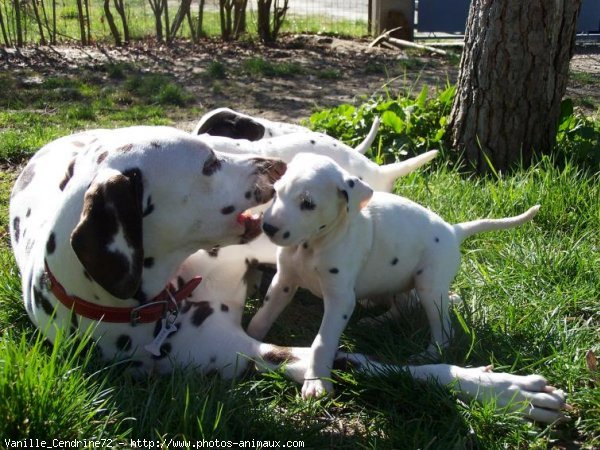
269,229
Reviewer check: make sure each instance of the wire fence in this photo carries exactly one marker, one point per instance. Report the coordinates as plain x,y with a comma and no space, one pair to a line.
346,17
41,21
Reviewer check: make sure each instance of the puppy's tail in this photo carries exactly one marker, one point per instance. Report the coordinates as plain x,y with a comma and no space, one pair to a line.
364,145
467,229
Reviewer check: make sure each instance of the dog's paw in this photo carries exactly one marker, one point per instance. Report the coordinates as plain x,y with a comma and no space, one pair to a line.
316,388
530,395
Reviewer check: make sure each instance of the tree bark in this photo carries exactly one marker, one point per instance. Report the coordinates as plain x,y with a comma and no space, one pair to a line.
120,7
111,23
513,75
81,19
157,7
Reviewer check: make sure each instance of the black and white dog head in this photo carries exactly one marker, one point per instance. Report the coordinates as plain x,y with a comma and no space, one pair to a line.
311,198
164,194
232,124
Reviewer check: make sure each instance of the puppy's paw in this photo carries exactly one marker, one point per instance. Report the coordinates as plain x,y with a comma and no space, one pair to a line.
316,388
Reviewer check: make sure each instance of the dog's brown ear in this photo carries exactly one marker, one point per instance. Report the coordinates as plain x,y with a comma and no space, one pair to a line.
356,192
108,238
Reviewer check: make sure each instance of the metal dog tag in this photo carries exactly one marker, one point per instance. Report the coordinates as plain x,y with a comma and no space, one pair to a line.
165,330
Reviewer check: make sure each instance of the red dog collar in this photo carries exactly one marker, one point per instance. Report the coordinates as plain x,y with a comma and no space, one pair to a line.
153,311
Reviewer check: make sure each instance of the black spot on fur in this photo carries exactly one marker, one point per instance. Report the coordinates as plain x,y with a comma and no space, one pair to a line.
149,207
101,157
351,183
211,165
286,289
279,355
203,310
334,270
312,141
248,195
51,244
214,252
305,245
125,148
68,175
322,226
228,210
148,262
344,194
123,343
185,307
155,144
345,316
419,272
17,228
286,235
28,213
213,359
437,239
24,179
394,261
42,301
140,296
28,299
224,307
266,298
87,275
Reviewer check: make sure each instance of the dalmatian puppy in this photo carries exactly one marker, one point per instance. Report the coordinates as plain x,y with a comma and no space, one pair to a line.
225,269
103,224
342,241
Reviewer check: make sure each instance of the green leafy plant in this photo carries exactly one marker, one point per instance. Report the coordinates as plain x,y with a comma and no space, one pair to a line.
408,125
578,136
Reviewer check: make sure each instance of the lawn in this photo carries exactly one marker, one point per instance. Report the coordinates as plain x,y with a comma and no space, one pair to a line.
530,304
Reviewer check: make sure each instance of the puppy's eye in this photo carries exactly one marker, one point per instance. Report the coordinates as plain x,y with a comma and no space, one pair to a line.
211,165
307,204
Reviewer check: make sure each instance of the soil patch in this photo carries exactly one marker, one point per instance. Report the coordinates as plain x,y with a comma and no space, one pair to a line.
303,73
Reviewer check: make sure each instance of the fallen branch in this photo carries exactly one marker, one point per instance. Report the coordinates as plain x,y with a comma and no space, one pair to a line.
386,38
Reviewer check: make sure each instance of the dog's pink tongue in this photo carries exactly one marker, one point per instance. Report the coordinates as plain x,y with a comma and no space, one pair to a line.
251,223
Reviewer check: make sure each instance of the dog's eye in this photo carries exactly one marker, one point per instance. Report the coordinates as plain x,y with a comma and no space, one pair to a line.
307,204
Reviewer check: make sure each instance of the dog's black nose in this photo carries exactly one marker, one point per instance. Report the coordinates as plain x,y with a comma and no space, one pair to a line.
269,229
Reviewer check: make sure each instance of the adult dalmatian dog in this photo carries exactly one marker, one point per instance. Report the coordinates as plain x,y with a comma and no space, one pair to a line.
102,224
343,242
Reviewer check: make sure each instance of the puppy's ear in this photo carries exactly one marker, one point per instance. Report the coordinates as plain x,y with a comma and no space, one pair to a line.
356,192
108,238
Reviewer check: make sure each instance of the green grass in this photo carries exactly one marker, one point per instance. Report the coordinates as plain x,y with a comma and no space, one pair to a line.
530,304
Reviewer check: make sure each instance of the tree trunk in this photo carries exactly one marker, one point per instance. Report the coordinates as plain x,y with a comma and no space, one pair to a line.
157,9
513,74
38,20
7,41
81,19
120,7
18,24
111,23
